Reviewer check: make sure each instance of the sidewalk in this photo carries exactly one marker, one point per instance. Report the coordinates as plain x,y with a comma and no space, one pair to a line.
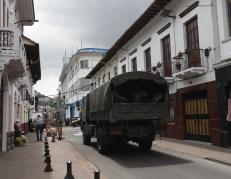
198,149
28,162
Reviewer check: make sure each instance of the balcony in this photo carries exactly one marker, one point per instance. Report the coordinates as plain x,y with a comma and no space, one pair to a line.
12,52
189,64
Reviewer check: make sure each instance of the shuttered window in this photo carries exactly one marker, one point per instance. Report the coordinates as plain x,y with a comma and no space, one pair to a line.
134,64
192,34
166,51
147,54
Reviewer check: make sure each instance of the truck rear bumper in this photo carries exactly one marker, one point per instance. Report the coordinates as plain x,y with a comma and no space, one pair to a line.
133,131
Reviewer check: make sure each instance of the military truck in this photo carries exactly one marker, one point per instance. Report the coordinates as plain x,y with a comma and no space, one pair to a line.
129,107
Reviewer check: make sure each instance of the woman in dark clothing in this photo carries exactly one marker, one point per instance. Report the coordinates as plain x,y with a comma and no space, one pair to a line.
17,129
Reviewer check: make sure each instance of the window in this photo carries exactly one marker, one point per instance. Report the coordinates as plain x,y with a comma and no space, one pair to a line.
147,62
104,78
193,49
109,76
134,64
115,71
99,82
84,64
123,69
229,15
166,53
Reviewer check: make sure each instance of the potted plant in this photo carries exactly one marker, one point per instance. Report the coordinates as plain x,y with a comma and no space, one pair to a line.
158,64
180,54
154,68
20,141
178,66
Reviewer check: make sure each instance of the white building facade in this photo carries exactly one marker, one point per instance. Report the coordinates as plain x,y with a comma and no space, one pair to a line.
177,39
73,83
19,67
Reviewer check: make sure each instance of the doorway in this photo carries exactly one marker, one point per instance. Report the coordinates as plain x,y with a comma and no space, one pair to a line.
196,116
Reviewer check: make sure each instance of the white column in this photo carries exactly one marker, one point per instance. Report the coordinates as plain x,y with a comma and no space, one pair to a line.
1,10
5,120
4,13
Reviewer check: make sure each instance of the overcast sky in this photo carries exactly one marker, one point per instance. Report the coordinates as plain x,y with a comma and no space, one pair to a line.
63,22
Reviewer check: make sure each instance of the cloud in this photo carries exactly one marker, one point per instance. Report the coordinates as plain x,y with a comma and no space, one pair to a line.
62,25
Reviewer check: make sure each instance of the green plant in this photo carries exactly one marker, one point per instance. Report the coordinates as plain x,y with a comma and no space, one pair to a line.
20,141
24,139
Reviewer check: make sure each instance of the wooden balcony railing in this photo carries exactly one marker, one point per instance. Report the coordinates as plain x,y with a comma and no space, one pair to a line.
6,38
11,44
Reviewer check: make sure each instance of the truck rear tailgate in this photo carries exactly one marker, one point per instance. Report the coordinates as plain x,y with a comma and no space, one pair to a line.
137,111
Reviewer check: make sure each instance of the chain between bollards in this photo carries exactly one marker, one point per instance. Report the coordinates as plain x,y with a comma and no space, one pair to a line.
69,171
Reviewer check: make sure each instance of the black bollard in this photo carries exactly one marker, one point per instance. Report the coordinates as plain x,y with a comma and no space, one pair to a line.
69,171
46,159
53,138
48,166
45,150
46,146
97,174
47,153
46,143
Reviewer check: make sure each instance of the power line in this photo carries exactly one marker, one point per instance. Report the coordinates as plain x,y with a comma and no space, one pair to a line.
70,91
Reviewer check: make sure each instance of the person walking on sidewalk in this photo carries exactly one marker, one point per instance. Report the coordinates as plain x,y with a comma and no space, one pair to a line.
17,129
39,127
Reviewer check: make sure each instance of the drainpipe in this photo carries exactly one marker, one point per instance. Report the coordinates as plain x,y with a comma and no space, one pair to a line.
217,48
1,13
4,13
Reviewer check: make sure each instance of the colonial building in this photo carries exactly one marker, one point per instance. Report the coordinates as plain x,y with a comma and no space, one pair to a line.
223,70
178,40
19,67
73,85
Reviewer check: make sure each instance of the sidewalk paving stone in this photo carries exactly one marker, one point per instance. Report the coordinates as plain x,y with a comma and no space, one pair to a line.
201,150
28,162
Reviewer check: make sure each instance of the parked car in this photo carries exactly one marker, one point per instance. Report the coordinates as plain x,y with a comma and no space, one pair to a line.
75,122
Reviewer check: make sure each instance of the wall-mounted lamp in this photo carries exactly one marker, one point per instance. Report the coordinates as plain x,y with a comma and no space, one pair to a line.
206,51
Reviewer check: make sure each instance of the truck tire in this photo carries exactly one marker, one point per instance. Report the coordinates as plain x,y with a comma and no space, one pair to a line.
145,145
86,139
102,146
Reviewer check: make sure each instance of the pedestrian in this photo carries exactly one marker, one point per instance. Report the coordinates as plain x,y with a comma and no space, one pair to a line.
39,127
17,129
30,125
59,128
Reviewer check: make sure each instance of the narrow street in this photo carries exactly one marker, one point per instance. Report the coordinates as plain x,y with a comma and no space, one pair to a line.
159,163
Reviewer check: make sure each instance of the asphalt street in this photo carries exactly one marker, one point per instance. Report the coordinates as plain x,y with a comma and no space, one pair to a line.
159,163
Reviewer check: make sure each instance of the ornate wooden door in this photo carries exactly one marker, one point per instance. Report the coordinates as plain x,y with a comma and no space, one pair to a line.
196,116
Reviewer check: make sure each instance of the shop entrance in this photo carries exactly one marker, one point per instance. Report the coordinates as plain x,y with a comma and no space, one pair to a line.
196,116
228,117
